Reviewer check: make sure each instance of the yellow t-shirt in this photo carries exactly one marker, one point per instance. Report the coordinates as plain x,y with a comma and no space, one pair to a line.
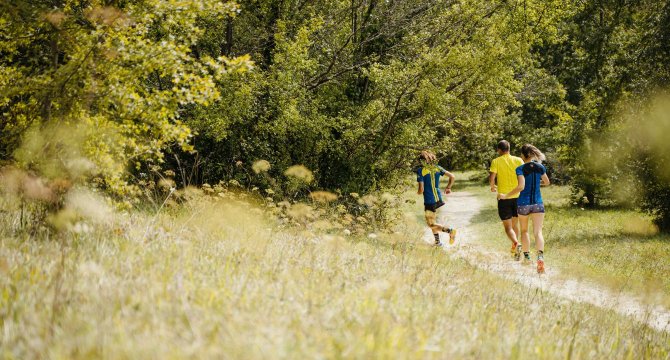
505,169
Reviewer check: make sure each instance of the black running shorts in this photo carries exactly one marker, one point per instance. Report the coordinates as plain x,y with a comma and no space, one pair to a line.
507,209
433,207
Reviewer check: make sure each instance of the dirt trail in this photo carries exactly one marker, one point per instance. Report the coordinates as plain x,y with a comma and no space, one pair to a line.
460,210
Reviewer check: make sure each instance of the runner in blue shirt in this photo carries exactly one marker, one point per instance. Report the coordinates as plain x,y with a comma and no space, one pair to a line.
532,175
428,177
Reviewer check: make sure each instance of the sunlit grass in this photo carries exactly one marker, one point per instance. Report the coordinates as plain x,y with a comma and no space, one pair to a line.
619,248
217,279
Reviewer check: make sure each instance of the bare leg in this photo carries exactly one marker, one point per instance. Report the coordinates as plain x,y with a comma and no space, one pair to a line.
538,220
515,227
525,237
431,220
509,229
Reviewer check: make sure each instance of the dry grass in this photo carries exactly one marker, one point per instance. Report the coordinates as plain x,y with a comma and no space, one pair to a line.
219,279
619,248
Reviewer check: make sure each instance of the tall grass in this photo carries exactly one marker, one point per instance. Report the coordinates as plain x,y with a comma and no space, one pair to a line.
617,247
219,279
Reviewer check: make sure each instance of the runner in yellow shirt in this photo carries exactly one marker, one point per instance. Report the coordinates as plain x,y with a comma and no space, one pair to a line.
504,169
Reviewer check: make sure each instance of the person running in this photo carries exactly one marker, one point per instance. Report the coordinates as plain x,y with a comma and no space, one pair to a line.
428,177
531,175
504,169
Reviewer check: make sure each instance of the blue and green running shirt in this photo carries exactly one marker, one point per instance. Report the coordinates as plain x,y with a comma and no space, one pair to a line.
532,173
429,175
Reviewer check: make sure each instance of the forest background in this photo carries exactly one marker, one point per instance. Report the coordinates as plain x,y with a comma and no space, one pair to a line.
137,98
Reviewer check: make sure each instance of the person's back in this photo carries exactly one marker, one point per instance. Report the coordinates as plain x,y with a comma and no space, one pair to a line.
505,168
532,173
430,175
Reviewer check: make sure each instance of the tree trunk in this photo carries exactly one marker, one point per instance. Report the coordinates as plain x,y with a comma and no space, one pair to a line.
228,47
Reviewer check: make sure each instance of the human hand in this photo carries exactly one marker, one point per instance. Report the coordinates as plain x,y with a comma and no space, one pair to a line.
447,191
502,196
494,188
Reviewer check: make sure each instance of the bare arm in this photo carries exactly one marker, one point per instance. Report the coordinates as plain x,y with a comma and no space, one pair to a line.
492,182
452,177
420,190
544,180
516,190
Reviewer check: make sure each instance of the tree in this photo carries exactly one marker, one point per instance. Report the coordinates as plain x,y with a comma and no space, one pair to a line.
611,52
101,84
354,89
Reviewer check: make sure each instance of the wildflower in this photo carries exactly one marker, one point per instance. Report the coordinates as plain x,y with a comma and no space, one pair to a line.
323,196
55,17
300,172
89,205
368,200
35,188
166,184
387,197
322,225
81,228
260,166
300,211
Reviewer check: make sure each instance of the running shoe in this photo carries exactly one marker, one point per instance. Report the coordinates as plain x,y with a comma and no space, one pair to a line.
526,260
516,254
438,244
452,236
540,266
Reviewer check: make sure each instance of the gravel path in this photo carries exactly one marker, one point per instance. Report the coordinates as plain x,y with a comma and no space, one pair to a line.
463,206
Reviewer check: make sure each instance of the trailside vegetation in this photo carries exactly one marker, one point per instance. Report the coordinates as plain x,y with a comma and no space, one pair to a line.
138,98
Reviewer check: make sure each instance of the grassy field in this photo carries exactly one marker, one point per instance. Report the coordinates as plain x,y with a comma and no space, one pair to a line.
220,279
615,247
